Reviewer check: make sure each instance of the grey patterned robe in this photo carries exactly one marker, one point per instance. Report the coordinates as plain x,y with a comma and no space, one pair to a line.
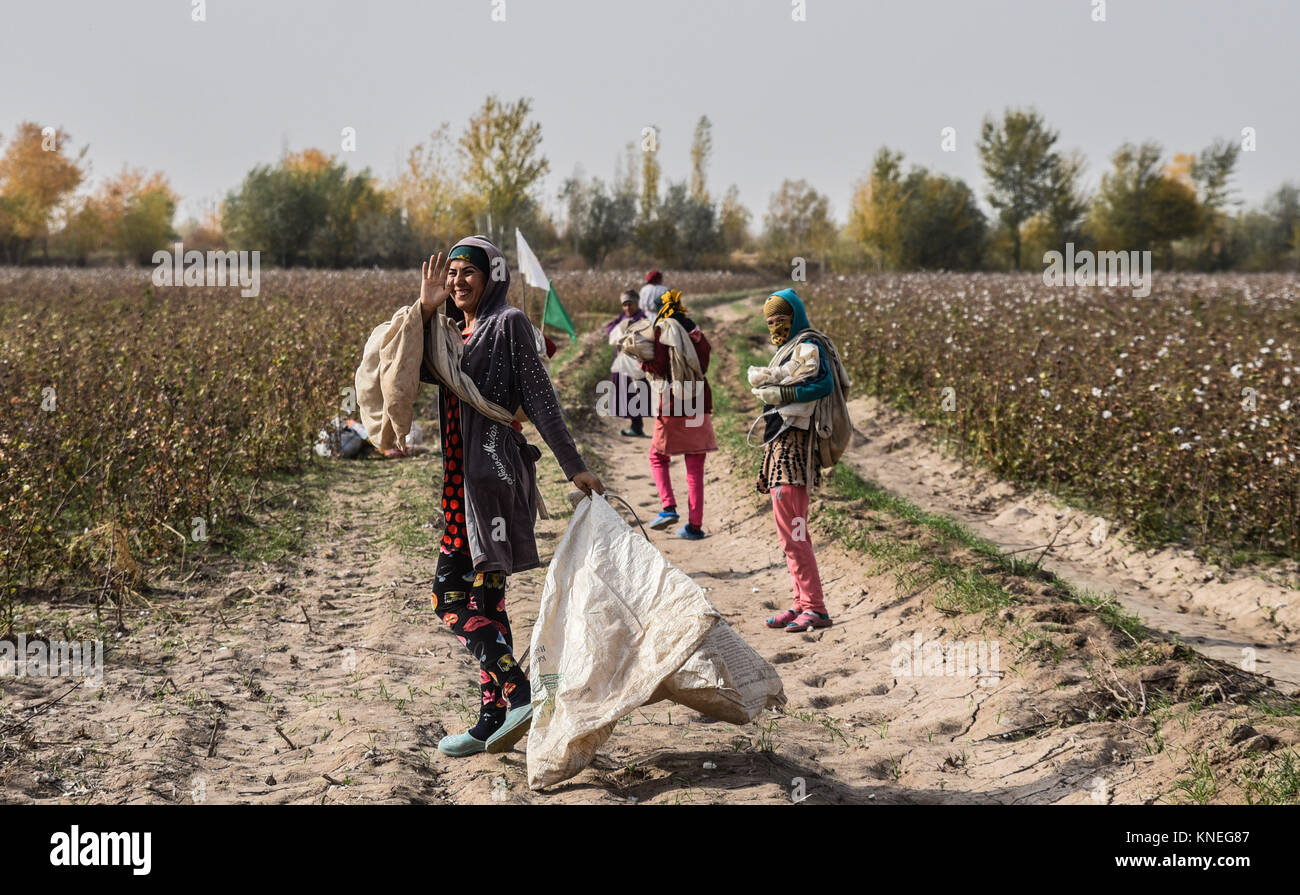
499,464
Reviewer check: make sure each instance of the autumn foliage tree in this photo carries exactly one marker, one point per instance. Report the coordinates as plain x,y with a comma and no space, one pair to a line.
916,220
310,209
430,195
798,223
876,211
503,163
701,150
733,221
36,178
134,213
1141,205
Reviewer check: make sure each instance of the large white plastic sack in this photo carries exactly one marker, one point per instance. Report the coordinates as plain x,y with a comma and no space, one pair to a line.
724,679
619,626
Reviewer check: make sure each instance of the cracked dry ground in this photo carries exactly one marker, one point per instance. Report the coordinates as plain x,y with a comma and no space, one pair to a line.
323,676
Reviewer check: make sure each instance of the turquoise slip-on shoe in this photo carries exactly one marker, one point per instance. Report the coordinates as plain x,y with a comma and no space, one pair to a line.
458,745
512,730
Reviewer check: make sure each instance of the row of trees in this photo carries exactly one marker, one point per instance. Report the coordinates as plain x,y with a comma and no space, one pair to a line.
1179,209
630,217
129,214
309,208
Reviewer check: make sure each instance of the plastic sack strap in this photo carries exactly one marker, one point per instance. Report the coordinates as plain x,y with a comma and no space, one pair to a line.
576,496
785,424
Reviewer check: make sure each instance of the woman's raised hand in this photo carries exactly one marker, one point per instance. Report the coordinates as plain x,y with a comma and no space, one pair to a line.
433,285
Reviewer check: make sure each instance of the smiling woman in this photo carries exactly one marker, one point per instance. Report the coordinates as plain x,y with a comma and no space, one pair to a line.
489,473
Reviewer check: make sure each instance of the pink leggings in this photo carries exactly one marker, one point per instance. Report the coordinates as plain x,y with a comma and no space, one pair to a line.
790,506
660,468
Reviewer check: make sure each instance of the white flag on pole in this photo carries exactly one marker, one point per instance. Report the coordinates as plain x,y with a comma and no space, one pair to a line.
529,266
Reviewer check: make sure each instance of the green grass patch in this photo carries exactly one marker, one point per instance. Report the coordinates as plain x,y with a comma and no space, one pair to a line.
420,506
1201,784
1275,705
1275,781
276,525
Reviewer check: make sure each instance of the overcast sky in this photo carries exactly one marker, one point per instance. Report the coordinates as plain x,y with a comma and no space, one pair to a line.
143,84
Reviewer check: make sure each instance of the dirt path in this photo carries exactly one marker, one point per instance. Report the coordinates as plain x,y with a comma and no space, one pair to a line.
325,677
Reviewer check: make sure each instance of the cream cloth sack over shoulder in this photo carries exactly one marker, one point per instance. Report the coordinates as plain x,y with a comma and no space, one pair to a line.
388,379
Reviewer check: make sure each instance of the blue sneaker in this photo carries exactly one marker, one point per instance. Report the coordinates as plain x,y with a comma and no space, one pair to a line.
458,745
512,730
690,532
664,520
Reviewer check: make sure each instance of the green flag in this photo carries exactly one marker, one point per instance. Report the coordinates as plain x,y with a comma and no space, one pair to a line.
553,313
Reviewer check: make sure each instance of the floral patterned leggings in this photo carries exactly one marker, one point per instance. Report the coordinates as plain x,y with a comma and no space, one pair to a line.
473,604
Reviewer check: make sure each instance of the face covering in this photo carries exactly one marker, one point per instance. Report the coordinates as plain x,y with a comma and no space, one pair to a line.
780,330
